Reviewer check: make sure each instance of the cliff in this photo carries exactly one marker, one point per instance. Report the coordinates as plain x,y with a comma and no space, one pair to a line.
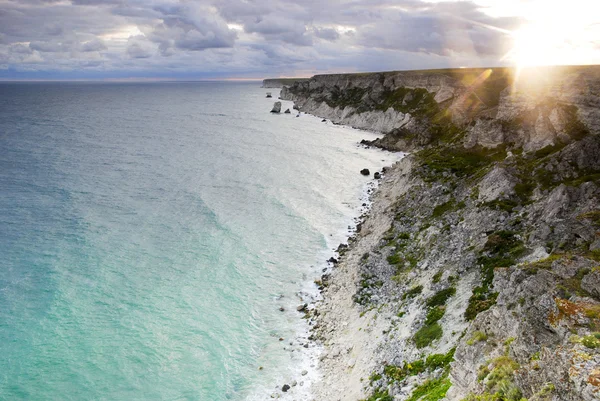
476,274
281,82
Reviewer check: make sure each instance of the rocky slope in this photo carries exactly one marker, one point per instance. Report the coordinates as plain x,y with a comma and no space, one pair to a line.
476,275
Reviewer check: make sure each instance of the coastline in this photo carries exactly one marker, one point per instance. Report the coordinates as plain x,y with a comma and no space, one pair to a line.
310,381
421,305
350,337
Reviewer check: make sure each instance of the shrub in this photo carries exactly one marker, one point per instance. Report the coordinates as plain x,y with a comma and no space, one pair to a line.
440,297
413,292
427,334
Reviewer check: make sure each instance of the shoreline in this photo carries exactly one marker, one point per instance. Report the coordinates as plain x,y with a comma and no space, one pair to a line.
350,337
310,375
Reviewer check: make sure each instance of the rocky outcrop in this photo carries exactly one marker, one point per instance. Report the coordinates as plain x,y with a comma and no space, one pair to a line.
276,107
475,275
541,109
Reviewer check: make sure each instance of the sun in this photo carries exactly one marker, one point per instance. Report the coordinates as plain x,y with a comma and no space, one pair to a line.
555,34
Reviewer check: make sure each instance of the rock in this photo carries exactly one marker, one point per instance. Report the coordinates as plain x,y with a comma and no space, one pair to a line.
294,383
269,94
285,388
297,115
276,107
323,120
296,107
281,309
304,373
365,171
377,175
332,260
287,111
591,283
302,308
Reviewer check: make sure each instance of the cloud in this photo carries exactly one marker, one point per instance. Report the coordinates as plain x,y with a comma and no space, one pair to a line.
138,50
49,47
94,45
252,37
326,33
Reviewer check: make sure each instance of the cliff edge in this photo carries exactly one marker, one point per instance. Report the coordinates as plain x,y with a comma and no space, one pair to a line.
476,275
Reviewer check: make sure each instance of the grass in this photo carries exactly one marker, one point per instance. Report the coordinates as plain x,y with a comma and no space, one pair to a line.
498,377
435,314
477,337
591,341
458,161
431,390
431,363
500,250
442,209
440,297
427,334
413,292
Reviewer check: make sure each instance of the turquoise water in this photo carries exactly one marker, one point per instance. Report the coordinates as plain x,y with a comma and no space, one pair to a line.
148,232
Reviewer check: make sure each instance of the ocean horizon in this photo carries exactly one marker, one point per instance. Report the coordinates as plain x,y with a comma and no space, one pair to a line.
158,237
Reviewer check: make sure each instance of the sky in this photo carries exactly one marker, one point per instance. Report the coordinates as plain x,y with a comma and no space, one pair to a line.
217,39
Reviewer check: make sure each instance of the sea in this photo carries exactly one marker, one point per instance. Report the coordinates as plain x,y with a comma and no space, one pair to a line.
156,238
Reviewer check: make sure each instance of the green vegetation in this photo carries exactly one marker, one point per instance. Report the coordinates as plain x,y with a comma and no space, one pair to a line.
593,216
352,97
542,264
458,161
427,334
498,377
413,292
440,210
437,277
395,259
434,314
501,250
432,331
379,395
592,340
440,297
431,390
477,337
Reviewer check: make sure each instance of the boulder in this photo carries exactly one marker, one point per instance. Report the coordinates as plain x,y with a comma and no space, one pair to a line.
269,94
323,120
365,171
297,115
285,388
296,107
276,107
377,175
288,111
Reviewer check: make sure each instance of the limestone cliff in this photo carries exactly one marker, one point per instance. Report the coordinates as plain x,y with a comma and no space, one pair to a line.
476,275
280,82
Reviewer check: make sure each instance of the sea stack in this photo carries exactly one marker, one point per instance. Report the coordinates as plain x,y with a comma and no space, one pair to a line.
276,107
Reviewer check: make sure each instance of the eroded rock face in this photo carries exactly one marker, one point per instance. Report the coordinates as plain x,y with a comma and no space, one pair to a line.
497,184
533,325
276,107
535,112
479,247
